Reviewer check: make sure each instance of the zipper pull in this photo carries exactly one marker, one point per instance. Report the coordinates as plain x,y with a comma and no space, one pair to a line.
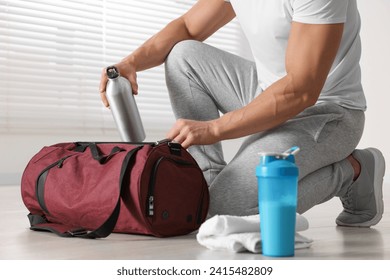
151,206
166,140
61,162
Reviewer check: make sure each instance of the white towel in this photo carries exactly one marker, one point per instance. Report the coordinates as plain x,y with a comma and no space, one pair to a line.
240,234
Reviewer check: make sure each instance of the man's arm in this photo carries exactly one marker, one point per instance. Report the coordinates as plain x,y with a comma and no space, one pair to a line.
310,54
200,22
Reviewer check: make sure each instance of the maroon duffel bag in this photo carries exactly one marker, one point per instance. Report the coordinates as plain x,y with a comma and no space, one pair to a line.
88,189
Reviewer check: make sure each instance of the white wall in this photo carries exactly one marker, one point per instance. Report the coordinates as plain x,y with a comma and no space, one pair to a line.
16,150
376,74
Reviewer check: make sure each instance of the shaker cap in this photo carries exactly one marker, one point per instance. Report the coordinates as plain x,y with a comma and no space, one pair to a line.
278,164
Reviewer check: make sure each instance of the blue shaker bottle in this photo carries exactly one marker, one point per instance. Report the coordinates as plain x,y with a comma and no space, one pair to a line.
277,176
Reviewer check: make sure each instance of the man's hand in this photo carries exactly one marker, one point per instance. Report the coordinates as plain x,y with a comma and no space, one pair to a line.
188,133
127,70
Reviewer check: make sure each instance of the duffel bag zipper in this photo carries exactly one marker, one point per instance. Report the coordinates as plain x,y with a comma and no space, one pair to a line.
40,185
116,142
152,182
153,144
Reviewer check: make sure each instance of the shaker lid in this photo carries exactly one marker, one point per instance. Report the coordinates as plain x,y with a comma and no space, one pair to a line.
112,72
266,157
278,164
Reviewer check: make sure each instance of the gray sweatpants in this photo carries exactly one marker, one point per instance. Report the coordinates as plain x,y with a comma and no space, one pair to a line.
204,81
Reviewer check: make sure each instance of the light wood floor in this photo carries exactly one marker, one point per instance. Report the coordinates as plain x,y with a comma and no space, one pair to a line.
17,242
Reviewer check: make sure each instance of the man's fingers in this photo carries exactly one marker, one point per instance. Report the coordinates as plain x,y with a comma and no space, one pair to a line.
186,143
133,83
102,87
173,134
181,133
104,99
176,133
103,81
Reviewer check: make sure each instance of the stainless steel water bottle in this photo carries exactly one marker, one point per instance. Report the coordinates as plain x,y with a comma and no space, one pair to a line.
123,107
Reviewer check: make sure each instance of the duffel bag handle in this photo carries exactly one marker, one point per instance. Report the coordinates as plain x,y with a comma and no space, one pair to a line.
102,158
81,147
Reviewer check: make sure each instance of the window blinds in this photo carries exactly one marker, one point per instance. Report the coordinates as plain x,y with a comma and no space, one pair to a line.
52,53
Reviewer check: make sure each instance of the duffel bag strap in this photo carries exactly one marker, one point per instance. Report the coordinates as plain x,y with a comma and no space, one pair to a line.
38,222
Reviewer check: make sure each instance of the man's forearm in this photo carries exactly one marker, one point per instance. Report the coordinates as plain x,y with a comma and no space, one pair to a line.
279,103
155,50
200,22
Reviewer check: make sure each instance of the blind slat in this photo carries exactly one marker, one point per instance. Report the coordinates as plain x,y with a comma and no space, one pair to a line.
52,53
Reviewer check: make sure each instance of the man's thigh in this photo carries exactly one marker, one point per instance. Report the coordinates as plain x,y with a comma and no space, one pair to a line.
325,133
194,68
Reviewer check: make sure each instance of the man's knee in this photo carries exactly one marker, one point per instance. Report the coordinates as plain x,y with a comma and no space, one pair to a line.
180,54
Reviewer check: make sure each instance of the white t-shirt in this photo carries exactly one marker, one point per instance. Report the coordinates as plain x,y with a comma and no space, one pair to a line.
267,23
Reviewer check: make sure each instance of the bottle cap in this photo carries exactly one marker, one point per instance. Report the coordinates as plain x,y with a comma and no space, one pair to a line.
112,72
